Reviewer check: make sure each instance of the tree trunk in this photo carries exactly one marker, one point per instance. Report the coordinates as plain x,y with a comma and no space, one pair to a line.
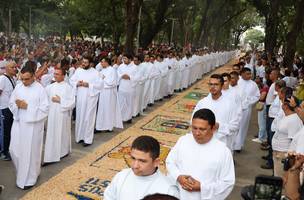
272,21
203,24
132,9
292,35
154,29
116,33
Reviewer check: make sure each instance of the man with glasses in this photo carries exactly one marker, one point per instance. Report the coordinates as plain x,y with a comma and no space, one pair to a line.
29,105
210,173
227,117
7,85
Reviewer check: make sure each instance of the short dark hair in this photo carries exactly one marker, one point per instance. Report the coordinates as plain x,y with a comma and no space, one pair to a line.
205,114
88,57
147,144
27,69
280,83
226,75
158,196
108,60
219,77
31,64
234,73
245,69
128,55
63,71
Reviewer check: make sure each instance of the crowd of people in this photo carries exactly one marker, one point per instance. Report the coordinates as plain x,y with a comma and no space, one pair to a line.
46,84
44,81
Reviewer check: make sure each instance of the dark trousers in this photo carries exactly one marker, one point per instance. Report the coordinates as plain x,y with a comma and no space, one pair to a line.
270,134
7,126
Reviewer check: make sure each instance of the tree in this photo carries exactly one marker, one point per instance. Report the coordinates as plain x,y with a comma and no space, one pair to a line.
254,37
292,35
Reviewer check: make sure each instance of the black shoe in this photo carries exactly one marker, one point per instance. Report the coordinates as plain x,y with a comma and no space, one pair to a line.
27,187
1,188
109,131
80,142
267,166
129,121
86,144
97,131
7,158
47,163
237,151
150,104
266,157
265,148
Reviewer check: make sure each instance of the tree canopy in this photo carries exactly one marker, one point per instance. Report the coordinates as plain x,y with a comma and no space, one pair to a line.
216,24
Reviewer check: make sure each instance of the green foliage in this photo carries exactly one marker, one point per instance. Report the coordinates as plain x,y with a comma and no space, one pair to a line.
254,37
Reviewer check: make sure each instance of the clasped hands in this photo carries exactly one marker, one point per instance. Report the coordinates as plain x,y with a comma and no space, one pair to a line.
188,183
126,77
56,99
21,104
82,84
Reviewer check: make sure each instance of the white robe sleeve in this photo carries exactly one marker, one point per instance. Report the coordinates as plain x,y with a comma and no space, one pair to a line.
221,188
67,102
110,81
36,113
232,126
171,162
96,86
73,81
252,98
12,105
112,191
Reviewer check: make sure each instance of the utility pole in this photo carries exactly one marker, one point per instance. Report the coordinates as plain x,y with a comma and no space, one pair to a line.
9,22
172,31
138,29
30,22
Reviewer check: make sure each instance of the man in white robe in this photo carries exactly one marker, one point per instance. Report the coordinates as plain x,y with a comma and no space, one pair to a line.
141,77
87,83
249,96
208,175
62,102
143,178
224,108
185,71
147,69
171,62
29,105
155,77
108,113
126,90
158,80
163,67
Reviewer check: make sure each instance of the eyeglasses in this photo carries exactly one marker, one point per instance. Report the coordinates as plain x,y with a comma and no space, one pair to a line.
200,130
213,84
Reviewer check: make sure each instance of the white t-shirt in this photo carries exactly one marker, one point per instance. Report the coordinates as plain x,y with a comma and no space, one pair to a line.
287,128
290,81
7,89
297,144
271,94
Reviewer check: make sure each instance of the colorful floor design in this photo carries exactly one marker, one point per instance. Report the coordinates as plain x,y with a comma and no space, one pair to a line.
88,177
167,124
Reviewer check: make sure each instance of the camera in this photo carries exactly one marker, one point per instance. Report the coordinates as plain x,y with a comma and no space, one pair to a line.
288,162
